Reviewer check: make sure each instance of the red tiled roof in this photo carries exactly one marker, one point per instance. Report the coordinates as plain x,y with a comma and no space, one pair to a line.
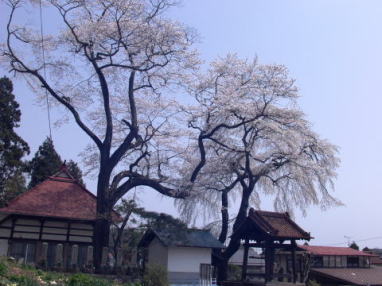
278,225
376,260
352,276
333,250
58,196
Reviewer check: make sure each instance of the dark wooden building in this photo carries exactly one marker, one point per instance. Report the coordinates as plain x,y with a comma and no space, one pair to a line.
270,231
51,224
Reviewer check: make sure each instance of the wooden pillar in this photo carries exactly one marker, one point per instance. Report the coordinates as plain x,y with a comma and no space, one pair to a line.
41,229
245,261
105,252
268,261
271,262
13,227
294,246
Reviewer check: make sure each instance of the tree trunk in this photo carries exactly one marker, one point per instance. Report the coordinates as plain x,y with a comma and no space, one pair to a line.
222,267
101,239
103,220
221,262
225,217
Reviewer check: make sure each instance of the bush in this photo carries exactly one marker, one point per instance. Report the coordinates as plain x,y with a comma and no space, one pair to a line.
86,280
3,269
22,280
313,283
156,275
234,272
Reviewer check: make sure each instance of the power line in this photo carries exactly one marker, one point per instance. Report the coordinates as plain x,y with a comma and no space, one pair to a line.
359,240
44,69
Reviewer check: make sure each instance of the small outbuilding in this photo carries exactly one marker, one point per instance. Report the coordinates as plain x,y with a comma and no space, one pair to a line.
184,253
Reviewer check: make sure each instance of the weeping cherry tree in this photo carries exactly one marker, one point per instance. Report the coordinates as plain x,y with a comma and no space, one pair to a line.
253,139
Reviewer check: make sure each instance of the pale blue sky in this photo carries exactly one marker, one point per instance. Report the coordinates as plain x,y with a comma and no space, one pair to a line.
334,50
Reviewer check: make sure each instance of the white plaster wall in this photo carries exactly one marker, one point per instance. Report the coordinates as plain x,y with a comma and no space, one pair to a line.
81,226
26,235
157,253
80,238
56,224
28,221
5,232
81,232
187,259
7,222
53,237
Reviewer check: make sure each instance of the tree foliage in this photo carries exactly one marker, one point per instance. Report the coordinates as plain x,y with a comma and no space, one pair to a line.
252,140
46,162
12,146
124,72
75,171
354,245
127,233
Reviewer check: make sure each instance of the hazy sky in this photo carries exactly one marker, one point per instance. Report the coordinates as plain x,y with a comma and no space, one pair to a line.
332,48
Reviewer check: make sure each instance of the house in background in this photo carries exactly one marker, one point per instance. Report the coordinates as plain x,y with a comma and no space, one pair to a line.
342,266
376,260
256,262
51,224
184,253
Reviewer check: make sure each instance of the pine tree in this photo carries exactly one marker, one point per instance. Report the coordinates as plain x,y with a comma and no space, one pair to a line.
45,163
354,245
12,146
75,171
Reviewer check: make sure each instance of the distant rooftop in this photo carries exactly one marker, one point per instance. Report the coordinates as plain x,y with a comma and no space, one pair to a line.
352,276
182,237
333,250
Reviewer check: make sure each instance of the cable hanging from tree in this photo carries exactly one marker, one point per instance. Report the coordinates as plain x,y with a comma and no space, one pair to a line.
44,68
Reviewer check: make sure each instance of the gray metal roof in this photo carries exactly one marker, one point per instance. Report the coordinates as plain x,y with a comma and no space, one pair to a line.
182,237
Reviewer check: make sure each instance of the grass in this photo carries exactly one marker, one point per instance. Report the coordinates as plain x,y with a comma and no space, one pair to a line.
13,274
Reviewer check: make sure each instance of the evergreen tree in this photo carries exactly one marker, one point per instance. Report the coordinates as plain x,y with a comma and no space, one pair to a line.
75,171
354,245
45,163
12,146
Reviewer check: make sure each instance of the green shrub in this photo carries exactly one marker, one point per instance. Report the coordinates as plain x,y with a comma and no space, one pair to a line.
313,283
22,280
234,272
3,269
86,280
156,275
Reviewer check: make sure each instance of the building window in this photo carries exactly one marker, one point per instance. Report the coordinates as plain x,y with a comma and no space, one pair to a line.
318,261
23,251
353,261
332,261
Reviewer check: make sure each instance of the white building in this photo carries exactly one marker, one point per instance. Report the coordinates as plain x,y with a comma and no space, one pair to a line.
185,254
255,260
